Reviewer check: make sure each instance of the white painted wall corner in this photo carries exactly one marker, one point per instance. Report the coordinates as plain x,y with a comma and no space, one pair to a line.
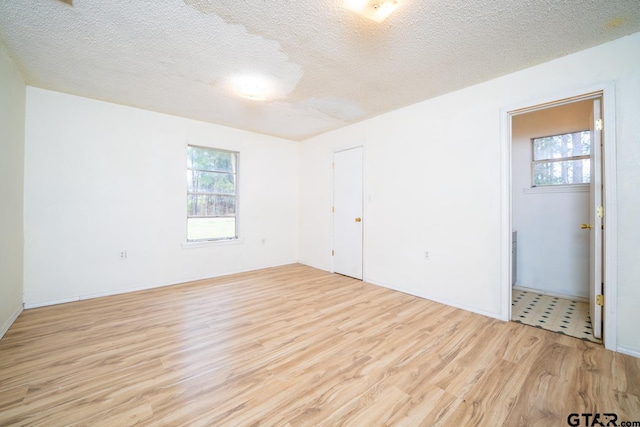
10,320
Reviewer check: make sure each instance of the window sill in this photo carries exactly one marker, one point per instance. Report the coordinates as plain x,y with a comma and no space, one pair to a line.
574,188
211,243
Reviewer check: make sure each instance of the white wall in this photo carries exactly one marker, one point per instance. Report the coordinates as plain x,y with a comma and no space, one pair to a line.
432,182
103,178
553,252
12,110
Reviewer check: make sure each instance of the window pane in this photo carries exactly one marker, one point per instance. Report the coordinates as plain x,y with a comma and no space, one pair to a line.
559,146
211,160
563,172
211,228
211,182
210,205
211,194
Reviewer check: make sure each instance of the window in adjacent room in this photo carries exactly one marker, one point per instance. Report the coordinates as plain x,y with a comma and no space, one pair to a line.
212,194
562,159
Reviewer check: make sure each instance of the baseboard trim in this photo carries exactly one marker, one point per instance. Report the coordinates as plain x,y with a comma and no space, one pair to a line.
28,306
10,320
629,352
75,298
308,264
438,300
419,295
551,294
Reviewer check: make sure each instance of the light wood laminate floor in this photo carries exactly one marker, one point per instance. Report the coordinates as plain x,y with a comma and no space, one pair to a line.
301,347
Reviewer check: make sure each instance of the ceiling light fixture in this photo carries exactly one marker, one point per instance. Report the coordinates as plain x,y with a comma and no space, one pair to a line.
376,10
251,86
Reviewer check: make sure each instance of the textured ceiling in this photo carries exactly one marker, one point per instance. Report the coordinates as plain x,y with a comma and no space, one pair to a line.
329,67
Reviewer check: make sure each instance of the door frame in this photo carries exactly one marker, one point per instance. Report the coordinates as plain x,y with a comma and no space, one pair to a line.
364,204
610,241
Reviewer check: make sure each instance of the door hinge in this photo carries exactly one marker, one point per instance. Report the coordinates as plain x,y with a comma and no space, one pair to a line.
600,212
332,253
333,165
600,300
599,124
333,208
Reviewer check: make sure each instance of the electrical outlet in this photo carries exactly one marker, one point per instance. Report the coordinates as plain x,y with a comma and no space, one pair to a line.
123,255
426,255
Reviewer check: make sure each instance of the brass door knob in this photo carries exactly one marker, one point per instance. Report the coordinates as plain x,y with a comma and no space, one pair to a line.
358,219
586,226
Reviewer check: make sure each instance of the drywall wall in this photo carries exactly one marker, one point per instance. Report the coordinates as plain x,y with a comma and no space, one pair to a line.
433,183
102,178
12,110
553,252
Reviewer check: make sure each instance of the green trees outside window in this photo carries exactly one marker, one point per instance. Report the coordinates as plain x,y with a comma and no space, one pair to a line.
562,159
212,186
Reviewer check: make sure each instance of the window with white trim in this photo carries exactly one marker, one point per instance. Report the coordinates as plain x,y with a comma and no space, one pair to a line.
561,159
212,194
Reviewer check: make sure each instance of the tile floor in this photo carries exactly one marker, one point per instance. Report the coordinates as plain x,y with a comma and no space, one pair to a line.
553,313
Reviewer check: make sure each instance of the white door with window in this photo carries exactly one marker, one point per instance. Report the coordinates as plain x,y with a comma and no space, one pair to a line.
347,212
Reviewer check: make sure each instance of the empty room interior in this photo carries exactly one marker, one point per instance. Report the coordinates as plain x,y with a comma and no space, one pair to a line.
346,212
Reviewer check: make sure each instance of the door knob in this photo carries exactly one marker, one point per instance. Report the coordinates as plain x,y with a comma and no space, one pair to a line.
358,219
586,226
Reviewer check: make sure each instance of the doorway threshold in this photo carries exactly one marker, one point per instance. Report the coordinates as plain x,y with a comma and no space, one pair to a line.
552,313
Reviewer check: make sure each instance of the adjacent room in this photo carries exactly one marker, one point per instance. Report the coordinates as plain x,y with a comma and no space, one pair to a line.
552,176
319,212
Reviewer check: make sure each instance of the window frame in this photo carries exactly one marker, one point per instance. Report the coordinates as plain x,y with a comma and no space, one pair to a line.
236,174
558,160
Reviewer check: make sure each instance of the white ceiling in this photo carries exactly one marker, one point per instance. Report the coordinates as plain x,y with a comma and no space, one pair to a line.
329,66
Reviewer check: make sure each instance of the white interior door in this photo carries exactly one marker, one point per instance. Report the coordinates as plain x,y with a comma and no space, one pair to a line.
595,217
347,212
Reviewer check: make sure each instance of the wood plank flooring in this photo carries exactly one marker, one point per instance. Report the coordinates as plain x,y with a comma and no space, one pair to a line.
296,346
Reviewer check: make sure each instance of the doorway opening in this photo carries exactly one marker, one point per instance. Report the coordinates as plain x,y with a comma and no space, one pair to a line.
559,170
551,176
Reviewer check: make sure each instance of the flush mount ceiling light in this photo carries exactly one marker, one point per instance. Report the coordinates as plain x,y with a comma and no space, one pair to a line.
376,10
252,86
